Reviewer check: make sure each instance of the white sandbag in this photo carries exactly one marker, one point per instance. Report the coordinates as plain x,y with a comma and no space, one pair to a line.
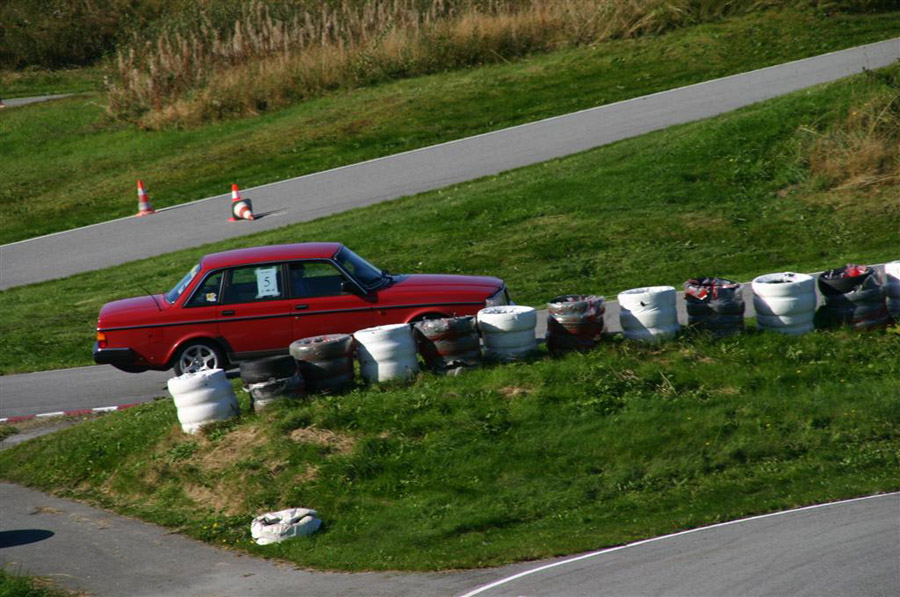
274,527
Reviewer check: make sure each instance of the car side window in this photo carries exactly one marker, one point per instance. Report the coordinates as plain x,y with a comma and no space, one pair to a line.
310,279
208,292
254,283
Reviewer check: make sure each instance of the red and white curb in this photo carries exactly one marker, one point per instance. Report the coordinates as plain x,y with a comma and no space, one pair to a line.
68,413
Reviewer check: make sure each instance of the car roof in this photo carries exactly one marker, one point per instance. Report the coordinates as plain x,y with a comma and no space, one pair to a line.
270,253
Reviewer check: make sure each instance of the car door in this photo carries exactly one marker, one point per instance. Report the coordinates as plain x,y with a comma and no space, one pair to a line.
254,314
321,302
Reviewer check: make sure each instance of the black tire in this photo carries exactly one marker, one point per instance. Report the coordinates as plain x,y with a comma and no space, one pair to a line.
322,348
833,282
197,355
260,370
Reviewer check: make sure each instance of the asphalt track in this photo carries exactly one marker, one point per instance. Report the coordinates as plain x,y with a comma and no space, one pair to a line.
24,101
844,548
316,195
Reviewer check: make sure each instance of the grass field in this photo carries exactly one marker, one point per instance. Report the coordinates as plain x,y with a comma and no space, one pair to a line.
733,196
511,462
65,165
15,585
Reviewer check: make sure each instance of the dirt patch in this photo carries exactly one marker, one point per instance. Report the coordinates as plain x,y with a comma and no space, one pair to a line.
337,442
232,448
307,476
514,391
221,498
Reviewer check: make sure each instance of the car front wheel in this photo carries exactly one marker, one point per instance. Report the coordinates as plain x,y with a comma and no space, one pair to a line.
197,356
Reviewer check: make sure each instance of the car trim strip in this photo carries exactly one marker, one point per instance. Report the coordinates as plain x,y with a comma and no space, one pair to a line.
291,314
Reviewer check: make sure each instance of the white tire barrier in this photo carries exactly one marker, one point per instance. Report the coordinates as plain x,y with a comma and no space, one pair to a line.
785,302
203,397
508,331
274,527
892,286
648,314
387,352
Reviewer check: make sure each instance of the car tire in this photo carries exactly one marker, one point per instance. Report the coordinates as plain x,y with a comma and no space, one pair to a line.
199,355
260,370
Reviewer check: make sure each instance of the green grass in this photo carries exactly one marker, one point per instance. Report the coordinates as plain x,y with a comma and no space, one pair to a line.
36,81
729,196
15,585
65,165
509,463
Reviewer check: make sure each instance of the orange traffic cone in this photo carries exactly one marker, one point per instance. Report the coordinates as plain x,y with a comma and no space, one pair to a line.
144,207
241,209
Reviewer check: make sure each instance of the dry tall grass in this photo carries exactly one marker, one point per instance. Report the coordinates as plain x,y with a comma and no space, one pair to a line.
267,60
862,149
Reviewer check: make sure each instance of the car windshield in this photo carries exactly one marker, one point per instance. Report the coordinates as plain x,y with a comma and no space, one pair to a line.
176,292
367,274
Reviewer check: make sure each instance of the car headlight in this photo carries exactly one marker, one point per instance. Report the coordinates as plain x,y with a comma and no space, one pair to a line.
497,299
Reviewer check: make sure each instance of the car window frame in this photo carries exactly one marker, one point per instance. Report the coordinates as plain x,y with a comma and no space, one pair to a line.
226,280
347,276
187,302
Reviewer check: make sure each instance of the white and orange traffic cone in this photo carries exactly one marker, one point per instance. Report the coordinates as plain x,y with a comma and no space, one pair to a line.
241,209
144,207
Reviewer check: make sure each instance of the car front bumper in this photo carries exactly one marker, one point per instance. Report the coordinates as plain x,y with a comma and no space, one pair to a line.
113,356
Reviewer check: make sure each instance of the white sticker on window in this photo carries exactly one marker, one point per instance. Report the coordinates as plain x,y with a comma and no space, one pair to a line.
267,282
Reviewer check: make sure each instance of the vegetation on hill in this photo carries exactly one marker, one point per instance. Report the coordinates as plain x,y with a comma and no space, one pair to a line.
510,462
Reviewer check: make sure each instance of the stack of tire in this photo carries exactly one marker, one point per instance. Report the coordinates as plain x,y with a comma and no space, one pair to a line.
648,314
785,302
715,305
325,362
448,343
574,322
203,397
271,379
386,352
508,332
854,296
892,286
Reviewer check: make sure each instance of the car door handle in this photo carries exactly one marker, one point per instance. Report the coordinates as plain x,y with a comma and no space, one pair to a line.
301,307
228,312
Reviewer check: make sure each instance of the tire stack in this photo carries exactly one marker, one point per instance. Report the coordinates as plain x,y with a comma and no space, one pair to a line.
892,286
271,379
648,314
508,331
854,296
574,322
203,397
448,343
785,302
387,352
325,362
715,305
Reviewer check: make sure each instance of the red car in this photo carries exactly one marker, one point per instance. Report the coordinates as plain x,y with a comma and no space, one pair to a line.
250,303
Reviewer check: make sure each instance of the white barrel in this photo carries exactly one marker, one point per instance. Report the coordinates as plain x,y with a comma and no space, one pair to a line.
785,302
386,352
508,331
648,313
892,286
203,397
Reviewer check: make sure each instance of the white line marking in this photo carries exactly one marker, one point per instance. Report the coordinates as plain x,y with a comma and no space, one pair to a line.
863,49
503,581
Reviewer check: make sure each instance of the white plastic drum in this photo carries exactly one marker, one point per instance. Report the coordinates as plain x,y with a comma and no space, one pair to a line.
785,302
648,313
387,352
892,286
203,397
508,331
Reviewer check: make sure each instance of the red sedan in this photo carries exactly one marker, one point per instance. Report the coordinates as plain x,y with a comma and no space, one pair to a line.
250,303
